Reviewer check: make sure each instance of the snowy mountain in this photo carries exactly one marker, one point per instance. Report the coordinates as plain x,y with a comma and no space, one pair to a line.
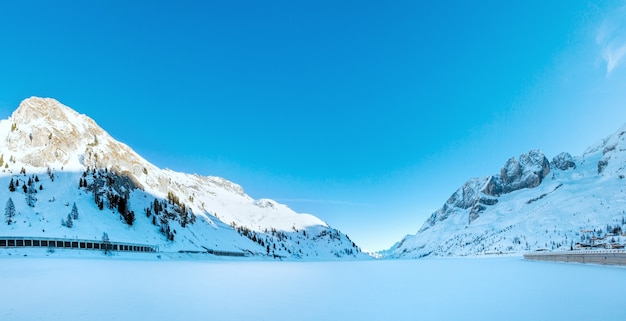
533,204
51,158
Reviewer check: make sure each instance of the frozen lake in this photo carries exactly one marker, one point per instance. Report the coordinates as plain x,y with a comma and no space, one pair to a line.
430,289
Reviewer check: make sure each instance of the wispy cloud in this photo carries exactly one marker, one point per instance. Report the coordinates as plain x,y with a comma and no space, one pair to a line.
314,201
611,38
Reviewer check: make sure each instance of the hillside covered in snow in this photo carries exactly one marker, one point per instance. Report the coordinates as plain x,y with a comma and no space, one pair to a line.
63,176
532,204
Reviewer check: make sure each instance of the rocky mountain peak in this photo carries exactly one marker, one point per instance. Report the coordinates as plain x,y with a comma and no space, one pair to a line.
523,209
36,108
527,172
477,194
563,161
45,133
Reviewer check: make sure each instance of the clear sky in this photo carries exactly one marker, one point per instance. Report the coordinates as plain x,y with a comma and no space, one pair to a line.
367,114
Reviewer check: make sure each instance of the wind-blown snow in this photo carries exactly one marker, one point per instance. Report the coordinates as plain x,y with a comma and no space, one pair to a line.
429,289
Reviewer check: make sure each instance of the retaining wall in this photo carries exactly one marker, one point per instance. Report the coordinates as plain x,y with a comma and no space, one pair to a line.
215,252
612,257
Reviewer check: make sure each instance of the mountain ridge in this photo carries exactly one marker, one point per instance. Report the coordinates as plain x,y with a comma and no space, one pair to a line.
44,136
531,204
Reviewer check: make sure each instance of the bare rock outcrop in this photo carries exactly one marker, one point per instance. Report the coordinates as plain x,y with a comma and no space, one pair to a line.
527,171
563,161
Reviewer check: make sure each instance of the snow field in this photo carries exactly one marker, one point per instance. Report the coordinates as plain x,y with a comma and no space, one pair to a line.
50,140
549,216
429,289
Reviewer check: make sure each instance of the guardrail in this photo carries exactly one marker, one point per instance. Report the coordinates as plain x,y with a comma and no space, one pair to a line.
611,257
19,241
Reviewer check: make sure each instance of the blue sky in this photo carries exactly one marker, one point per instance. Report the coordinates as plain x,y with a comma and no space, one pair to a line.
367,114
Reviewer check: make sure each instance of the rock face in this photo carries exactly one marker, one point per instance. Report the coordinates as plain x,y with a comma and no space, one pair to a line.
528,172
523,209
46,132
563,161
613,151
476,194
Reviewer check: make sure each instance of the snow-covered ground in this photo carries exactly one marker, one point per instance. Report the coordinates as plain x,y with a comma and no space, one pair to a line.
147,288
51,158
579,200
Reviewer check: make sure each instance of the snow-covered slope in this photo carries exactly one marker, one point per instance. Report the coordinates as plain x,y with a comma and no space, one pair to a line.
532,204
69,159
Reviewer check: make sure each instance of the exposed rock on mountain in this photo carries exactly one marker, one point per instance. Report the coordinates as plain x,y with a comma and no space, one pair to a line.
478,193
563,161
528,172
532,204
76,161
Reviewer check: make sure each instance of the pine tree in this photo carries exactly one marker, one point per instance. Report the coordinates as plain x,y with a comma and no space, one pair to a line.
74,212
121,206
106,244
68,222
130,218
184,219
11,186
30,195
50,174
9,211
98,201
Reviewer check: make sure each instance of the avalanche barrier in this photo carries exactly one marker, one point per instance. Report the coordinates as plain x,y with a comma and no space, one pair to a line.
13,241
611,257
